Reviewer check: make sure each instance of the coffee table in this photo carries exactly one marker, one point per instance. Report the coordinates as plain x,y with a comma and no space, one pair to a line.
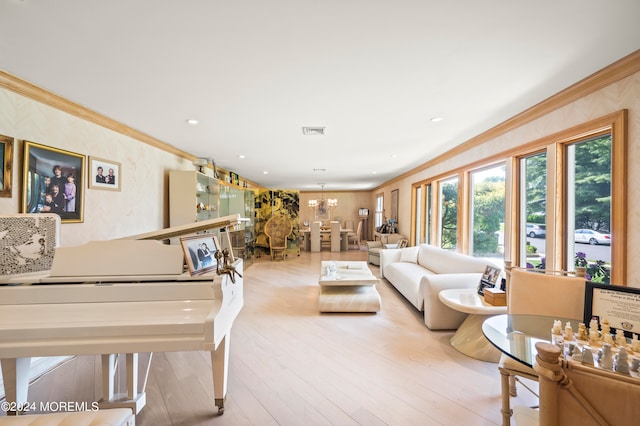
350,288
469,338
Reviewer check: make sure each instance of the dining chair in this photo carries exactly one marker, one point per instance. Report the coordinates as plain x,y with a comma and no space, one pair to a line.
576,394
354,237
335,236
315,236
536,292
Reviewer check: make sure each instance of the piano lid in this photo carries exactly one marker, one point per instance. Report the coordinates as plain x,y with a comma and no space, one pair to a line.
191,228
118,258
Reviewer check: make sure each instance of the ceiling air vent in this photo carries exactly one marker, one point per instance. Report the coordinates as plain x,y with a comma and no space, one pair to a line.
309,131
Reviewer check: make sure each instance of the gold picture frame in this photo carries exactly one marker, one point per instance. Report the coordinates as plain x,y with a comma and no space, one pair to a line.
6,164
46,168
104,174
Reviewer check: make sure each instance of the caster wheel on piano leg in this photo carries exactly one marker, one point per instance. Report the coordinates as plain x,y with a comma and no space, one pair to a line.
220,411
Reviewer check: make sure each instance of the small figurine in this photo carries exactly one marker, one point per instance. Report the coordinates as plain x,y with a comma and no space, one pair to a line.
621,341
635,364
582,331
608,338
224,266
606,328
576,354
557,327
605,357
635,343
587,355
568,331
594,338
622,362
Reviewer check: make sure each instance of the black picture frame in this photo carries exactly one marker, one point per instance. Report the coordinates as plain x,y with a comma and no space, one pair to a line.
45,168
489,278
619,305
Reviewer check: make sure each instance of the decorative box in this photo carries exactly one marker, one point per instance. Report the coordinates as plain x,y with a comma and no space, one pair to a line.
495,297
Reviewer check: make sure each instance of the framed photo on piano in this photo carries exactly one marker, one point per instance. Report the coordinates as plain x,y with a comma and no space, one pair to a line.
199,253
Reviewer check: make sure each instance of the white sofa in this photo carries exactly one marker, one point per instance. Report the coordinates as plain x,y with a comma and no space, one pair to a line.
419,273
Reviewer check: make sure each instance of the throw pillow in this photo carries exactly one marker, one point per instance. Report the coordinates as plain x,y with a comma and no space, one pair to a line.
409,254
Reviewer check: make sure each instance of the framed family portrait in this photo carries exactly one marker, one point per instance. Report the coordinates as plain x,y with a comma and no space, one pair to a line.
104,174
52,182
6,162
199,253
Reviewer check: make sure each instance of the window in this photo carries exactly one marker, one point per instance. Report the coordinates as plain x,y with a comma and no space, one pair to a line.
487,207
449,213
421,219
379,210
588,211
533,205
419,210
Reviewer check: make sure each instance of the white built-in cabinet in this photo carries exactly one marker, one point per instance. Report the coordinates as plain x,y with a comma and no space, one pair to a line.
193,197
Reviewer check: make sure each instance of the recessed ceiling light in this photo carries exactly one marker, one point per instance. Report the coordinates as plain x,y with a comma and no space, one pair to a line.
192,121
241,156
394,155
437,119
265,172
374,172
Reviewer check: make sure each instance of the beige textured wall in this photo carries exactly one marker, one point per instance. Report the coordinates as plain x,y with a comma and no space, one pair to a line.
348,204
139,207
624,94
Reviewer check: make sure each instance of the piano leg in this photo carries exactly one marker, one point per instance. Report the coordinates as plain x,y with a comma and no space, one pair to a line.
15,375
136,397
108,372
219,367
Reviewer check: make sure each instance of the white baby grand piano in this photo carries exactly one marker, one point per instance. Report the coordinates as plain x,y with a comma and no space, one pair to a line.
127,296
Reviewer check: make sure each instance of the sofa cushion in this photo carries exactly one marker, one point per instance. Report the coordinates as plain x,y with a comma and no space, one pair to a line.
441,261
406,277
409,254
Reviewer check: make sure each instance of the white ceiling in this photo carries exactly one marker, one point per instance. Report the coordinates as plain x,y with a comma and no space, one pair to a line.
254,72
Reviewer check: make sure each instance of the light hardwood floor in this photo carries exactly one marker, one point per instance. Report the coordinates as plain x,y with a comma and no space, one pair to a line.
290,365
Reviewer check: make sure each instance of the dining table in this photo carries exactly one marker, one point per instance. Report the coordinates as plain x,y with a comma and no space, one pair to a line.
325,234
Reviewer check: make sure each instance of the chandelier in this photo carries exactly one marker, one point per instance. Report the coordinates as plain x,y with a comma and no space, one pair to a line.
331,202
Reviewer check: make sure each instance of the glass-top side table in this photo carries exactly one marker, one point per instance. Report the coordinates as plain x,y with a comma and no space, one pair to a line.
516,335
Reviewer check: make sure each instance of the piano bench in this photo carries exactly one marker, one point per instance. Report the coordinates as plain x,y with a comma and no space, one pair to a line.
111,417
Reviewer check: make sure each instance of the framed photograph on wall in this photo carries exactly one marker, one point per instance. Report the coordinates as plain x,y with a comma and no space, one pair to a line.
52,182
322,211
104,174
199,253
394,205
6,162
